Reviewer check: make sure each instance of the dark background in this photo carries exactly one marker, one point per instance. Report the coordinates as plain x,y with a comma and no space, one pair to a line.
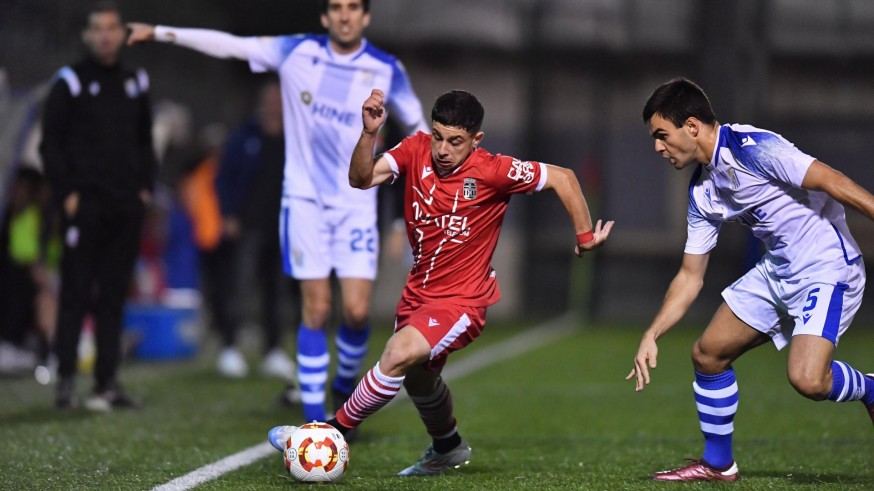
562,81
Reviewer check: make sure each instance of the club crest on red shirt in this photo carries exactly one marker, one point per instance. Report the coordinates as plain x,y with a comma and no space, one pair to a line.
469,190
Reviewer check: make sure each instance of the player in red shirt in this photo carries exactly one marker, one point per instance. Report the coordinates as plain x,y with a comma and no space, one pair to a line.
454,203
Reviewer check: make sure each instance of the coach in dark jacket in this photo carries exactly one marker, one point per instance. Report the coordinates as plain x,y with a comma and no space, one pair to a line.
98,156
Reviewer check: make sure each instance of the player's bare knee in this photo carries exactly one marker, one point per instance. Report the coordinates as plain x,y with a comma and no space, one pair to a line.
395,361
356,316
399,355
394,357
809,384
316,315
706,361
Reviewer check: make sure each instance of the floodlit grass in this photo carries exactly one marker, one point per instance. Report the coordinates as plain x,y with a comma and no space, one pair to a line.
559,417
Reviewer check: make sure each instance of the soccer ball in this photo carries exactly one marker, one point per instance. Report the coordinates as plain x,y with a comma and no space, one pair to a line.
316,452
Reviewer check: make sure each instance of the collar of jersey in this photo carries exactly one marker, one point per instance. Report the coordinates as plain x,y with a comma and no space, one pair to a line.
347,57
714,160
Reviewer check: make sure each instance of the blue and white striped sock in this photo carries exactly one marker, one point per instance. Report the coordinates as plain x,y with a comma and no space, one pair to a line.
849,384
312,372
716,397
351,350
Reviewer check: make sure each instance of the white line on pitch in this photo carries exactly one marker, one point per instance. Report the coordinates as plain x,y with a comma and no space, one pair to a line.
528,340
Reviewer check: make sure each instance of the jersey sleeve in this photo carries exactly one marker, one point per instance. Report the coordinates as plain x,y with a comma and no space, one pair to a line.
401,156
701,232
214,43
774,157
268,53
514,176
403,103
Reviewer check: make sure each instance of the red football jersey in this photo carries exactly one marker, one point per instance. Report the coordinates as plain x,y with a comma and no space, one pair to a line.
453,222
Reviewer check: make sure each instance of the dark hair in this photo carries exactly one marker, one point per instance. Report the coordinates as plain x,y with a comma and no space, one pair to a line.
326,3
458,109
677,101
104,6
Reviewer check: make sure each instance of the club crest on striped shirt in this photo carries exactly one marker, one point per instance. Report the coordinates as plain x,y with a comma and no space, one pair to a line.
469,188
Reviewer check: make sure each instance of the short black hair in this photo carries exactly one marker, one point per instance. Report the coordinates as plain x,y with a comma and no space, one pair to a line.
458,109
677,101
326,3
102,7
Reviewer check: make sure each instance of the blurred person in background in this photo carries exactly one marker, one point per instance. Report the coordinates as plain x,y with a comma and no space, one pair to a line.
807,287
98,156
28,284
200,227
250,194
325,225
168,230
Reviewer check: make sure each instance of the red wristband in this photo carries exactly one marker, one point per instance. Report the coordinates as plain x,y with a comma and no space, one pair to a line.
585,237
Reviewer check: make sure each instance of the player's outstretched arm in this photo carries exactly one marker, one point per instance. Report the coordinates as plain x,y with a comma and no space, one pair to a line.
365,171
217,44
566,186
683,290
821,177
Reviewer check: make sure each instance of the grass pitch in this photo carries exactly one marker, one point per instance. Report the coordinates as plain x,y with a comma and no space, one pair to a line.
558,417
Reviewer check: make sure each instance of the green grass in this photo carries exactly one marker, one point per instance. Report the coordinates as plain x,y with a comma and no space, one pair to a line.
560,417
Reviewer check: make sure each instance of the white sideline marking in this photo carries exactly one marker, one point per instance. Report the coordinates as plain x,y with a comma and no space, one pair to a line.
528,340
213,471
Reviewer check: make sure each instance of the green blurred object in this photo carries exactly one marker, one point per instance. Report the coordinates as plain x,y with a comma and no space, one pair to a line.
24,230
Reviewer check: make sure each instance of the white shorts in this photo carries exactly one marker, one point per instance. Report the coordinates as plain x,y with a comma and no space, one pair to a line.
821,305
316,240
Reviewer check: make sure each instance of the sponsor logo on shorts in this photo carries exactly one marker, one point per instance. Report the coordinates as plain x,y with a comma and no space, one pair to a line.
297,257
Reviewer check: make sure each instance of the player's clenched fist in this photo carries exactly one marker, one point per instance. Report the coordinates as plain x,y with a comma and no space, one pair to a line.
373,111
140,32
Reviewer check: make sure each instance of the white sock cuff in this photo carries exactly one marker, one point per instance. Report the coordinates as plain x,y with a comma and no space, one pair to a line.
394,382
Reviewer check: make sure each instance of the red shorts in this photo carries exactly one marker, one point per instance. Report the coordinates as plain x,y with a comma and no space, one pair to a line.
447,327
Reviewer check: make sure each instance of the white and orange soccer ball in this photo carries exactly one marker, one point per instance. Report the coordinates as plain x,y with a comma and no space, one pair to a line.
316,452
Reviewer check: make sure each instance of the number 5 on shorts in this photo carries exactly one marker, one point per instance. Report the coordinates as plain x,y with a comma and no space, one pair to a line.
811,300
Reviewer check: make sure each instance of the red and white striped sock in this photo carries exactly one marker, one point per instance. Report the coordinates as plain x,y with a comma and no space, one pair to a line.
373,392
435,410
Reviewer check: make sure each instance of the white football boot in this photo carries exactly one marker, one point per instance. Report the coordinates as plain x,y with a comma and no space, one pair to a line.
433,463
231,363
277,364
278,436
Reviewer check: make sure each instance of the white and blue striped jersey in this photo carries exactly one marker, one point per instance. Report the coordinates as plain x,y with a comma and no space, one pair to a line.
322,95
755,179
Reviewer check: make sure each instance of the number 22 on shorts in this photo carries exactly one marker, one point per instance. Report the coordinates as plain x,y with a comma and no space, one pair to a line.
363,239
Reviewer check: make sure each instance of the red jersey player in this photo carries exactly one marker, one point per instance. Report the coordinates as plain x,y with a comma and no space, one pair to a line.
455,199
